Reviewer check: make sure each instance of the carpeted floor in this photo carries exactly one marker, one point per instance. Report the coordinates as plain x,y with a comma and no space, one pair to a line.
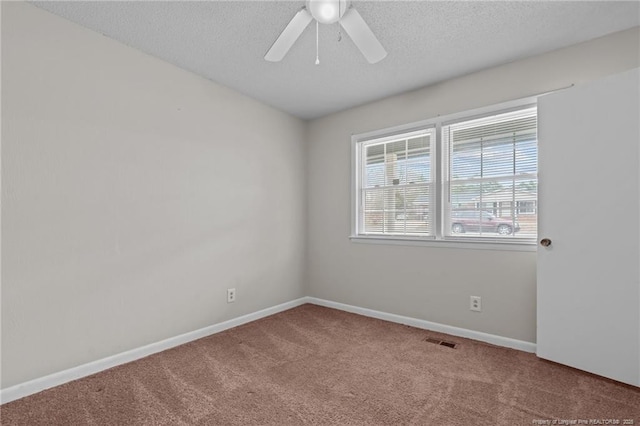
318,366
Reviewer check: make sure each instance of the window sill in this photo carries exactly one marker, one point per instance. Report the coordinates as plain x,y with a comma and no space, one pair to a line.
451,244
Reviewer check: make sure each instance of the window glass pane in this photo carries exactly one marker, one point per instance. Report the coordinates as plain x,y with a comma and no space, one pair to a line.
393,200
464,195
526,207
395,191
498,157
373,200
395,163
466,161
373,205
493,183
418,147
374,166
417,220
418,160
501,145
397,149
473,209
494,208
527,156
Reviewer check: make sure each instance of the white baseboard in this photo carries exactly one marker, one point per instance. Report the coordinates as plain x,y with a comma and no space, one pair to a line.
428,325
36,385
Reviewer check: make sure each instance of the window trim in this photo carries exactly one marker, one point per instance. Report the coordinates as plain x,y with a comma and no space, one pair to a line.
438,239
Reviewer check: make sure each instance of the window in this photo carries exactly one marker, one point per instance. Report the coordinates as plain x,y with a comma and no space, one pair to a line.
396,190
465,178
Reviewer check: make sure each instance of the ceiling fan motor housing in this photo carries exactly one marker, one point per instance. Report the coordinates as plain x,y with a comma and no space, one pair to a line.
327,11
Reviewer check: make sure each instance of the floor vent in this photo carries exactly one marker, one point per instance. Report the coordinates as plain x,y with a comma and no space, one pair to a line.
441,342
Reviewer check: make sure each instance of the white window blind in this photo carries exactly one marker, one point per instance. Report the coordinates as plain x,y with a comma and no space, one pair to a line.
469,178
396,185
491,176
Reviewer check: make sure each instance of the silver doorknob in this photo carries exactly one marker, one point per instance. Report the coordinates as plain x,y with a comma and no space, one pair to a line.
545,242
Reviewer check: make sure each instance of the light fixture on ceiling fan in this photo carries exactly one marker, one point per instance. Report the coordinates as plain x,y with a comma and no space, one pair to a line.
329,12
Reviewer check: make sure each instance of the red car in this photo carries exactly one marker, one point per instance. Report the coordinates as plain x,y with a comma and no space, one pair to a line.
480,221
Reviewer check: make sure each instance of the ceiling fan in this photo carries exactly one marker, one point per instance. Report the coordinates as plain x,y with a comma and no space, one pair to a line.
328,12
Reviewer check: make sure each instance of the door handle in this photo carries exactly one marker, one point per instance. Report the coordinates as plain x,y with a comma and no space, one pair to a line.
545,242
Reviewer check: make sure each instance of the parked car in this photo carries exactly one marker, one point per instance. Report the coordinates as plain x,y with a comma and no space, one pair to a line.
481,221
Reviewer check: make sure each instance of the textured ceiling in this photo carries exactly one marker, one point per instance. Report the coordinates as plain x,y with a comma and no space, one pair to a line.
427,41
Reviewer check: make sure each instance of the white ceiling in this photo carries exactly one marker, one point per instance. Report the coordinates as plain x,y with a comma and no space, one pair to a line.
427,41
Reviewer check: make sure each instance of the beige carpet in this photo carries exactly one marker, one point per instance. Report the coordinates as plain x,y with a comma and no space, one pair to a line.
312,365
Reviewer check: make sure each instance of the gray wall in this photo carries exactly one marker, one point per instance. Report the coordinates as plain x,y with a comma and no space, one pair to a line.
133,194
435,283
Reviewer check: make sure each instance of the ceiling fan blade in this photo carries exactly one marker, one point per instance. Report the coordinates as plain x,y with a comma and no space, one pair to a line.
362,36
289,36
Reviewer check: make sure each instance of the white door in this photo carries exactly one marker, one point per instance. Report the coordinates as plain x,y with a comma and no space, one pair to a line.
589,193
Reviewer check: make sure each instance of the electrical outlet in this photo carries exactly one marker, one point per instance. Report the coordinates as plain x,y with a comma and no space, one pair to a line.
231,295
475,303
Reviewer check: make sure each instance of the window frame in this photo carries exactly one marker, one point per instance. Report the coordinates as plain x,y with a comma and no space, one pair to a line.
438,203
363,144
